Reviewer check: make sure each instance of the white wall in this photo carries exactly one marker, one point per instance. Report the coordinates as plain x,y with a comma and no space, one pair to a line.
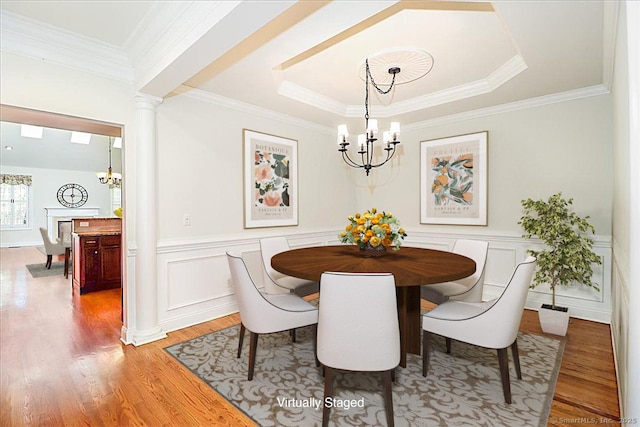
533,152
200,147
44,190
621,208
42,85
202,143
624,323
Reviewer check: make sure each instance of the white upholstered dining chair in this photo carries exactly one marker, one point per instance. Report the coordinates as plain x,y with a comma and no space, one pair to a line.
492,324
468,289
262,313
51,248
275,282
358,330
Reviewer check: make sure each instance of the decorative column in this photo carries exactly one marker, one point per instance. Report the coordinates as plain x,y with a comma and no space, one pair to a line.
146,280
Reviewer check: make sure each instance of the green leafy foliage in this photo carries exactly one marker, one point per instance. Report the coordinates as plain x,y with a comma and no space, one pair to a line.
568,256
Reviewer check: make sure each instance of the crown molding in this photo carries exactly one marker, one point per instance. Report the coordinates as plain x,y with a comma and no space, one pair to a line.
511,106
27,37
244,107
168,30
468,115
503,74
309,97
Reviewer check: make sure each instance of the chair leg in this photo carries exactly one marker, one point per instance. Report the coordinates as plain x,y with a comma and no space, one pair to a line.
388,396
426,337
503,361
292,332
328,392
48,264
447,341
315,344
241,339
253,347
516,358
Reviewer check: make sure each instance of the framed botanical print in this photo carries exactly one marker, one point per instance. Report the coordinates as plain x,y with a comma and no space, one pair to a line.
453,180
270,180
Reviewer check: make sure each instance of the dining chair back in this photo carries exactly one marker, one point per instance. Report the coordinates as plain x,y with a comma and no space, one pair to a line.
358,329
264,314
51,248
275,282
468,289
492,324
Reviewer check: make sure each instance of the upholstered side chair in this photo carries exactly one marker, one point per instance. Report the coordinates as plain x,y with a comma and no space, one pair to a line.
51,248
468,289
492,324
358,330
263,313
275,282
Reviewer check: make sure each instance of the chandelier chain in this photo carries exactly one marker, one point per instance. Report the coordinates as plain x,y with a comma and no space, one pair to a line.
368,76
373,82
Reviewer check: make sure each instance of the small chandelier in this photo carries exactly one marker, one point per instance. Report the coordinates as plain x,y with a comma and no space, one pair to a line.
366,141
109,177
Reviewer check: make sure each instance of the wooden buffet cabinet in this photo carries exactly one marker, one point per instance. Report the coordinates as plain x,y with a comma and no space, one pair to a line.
97,254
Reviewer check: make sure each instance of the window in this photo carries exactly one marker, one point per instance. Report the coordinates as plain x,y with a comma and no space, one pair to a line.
116,198
15,193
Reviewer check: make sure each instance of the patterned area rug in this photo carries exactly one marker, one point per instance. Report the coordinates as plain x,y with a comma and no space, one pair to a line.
39,270
462,389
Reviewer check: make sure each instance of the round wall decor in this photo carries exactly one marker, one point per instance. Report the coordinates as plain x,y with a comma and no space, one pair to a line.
72,195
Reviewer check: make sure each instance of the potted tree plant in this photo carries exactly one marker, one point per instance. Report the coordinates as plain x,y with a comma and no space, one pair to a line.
567,258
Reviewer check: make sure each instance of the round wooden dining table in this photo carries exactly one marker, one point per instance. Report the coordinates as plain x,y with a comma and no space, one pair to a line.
411,268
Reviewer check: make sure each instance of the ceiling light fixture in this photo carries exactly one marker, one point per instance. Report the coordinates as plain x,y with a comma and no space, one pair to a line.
366,141
30,131
80,137
109,177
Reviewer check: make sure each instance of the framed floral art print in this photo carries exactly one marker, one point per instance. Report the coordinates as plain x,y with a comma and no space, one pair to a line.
270,180
453,180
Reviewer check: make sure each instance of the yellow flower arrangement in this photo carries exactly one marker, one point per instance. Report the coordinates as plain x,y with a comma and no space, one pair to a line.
373,228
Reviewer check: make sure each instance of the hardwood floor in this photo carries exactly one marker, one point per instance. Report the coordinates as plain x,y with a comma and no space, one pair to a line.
62,363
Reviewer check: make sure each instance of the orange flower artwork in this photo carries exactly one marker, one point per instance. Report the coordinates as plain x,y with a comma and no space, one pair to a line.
453,179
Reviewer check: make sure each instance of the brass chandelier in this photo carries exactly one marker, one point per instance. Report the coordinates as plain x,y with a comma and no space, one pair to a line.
111,178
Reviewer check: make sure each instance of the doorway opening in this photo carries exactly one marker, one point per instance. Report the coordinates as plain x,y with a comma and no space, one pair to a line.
55,162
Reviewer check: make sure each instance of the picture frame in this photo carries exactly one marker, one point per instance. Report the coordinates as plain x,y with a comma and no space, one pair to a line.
270,180
453,180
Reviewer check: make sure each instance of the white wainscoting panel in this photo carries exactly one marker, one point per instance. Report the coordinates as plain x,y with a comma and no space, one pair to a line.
185,285
194,280
501,261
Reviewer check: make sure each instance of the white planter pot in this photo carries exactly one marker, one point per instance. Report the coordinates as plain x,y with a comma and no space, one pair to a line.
554,321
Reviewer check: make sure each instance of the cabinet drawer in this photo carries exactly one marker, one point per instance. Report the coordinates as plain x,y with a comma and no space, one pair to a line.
110,240
89,242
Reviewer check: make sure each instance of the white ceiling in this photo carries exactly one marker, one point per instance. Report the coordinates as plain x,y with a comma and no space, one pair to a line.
56,151
305,59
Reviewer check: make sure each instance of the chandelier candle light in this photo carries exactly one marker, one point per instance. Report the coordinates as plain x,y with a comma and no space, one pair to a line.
366,141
